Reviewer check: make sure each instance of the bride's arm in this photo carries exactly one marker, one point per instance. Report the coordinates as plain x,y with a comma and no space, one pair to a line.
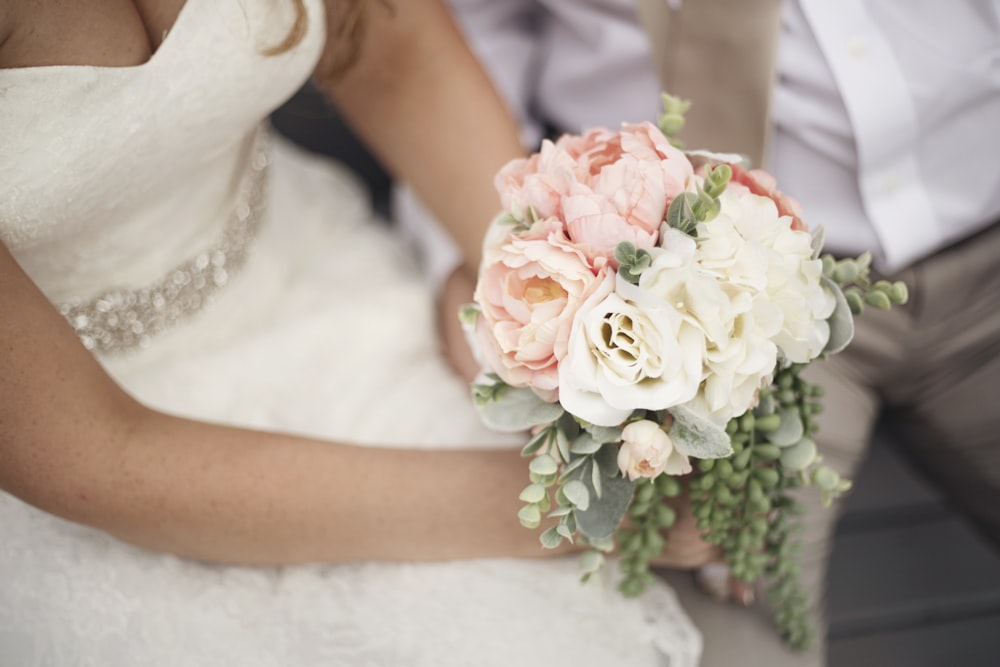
74,444
420,100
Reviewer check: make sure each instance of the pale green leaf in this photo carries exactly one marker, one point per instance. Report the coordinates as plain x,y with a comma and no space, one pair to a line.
532,493
576,492
605,514
550,538
562,444
841,321
543,464
517,409
603,434
585,444
791,429
698,437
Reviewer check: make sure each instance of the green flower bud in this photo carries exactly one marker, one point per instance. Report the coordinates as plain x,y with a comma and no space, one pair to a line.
767,452
746,422
724,468
879,300
724,496
855,301
899,293
706,464
826,478
768,477
668,486
846,272
670,123
829,265
768,423
741,460
530,516
644,492
761,505
665,516
706,481
800,455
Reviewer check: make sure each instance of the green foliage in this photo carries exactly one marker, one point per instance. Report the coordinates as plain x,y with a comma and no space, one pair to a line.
631,261
671,121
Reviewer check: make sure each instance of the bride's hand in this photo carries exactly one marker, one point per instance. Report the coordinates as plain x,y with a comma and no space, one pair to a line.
456,292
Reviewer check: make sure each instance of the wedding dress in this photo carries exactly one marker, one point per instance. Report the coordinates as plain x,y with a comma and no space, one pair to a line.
223,275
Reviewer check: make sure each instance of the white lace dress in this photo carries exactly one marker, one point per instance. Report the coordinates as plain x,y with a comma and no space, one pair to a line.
129,195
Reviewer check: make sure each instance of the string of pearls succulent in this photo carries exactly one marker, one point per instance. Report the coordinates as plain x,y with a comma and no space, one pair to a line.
122,320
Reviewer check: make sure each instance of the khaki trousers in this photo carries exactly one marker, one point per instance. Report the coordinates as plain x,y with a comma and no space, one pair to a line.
933,367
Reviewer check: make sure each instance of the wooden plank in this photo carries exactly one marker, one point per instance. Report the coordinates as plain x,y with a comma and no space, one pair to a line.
900,576
887,491
973,642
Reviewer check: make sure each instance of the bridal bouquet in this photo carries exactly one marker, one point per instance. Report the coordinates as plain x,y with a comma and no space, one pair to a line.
646,311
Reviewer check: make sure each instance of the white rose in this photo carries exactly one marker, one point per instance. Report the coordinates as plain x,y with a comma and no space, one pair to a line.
737,323
647,450
628,350
749,244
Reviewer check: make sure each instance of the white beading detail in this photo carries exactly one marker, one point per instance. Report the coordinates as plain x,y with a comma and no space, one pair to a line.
120,320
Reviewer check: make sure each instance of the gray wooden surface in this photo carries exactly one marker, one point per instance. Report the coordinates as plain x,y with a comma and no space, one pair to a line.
910,582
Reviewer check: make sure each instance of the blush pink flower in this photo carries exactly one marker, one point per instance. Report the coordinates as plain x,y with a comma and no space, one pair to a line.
604,186
760,182
529,291
647,451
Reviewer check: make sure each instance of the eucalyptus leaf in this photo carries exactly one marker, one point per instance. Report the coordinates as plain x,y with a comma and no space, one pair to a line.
517,409
543,464
595,479
562,445
550,538
573,464
585,444
698,437
841,321
791,429
576,492
532,493
606,459
680,214
603,516
603,434
536,442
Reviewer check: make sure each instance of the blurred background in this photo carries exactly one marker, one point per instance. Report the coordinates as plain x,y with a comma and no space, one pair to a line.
911,583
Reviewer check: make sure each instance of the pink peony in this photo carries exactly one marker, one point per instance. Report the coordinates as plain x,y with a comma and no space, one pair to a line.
604,186
529,290
760,182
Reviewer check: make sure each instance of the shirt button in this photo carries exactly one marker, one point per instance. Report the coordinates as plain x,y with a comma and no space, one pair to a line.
891,184
858,47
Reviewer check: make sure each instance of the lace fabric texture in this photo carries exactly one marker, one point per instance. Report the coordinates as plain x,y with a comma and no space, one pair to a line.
118,175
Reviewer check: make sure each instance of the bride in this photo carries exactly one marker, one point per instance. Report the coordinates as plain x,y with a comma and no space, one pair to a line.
227,434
